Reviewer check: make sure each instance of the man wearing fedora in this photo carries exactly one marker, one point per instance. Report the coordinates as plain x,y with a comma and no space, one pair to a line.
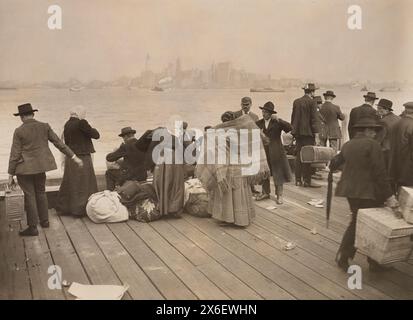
387,119
271,128
30,159
133,165
363,182
331,114
246,104
365,110
306,127
401,149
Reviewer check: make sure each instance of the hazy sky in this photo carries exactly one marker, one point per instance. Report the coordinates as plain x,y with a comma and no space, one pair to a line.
104,39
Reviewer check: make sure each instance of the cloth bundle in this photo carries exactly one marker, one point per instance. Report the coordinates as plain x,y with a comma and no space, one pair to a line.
105,207
196,199
212,174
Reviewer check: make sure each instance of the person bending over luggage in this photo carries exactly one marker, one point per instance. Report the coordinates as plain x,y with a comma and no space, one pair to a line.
363,182
132,167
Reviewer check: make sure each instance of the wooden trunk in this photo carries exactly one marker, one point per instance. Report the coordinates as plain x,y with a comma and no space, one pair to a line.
316,154
406,203
383,237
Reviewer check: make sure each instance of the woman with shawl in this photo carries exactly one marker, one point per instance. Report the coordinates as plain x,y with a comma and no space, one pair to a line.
228,185
78,182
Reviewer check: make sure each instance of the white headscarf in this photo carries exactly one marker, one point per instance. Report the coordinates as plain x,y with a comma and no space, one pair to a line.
78,112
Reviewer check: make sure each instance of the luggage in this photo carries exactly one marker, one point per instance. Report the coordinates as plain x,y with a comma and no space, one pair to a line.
406,203
14,203
146,210
196,199
382,236
128,191
316,154
105,207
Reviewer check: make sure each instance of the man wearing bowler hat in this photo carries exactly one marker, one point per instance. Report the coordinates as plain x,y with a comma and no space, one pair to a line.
401,148
30,159
133,165
306,127
331,114
387,119
365,110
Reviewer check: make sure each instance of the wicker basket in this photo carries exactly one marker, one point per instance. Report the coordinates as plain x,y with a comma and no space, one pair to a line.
14,203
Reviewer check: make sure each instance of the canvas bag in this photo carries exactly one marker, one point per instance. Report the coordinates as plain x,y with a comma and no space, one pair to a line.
105,207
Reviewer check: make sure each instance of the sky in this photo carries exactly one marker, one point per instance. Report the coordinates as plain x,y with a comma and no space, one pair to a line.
106,39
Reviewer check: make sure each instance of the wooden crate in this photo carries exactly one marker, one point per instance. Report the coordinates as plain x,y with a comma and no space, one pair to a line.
383,237
406,203
14,204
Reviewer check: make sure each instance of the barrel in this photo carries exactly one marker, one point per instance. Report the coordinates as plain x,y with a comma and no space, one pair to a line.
316,154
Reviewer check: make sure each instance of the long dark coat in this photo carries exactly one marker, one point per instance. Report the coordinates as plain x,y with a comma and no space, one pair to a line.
401,151
276,157
364,173
304,118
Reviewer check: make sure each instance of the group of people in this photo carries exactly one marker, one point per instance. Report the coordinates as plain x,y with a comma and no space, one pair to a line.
374,163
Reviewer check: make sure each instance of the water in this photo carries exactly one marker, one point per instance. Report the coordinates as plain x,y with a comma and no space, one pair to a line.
110,109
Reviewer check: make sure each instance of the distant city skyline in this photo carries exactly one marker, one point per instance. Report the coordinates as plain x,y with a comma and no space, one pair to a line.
301,39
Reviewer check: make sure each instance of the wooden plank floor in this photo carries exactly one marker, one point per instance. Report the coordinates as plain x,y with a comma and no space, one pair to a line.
194,258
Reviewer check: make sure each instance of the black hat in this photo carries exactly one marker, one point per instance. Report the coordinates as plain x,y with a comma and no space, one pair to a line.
329,93
371,95
25,109
367,122
246,100
318,99
126,131
269,106
386,104
408,105
310,87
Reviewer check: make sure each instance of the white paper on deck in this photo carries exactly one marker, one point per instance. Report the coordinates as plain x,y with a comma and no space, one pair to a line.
97,292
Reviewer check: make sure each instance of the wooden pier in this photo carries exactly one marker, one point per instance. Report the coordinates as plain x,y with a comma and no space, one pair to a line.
194,258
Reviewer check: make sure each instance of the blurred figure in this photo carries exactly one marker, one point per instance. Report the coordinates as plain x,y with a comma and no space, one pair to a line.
78,183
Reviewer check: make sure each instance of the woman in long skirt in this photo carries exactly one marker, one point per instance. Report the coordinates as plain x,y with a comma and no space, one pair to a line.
78,182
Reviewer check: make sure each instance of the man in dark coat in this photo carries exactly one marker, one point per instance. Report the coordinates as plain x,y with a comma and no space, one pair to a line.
401,149
30,158
363,182
133,165
246,104
365,110
387,120
331,114
271,127
306,128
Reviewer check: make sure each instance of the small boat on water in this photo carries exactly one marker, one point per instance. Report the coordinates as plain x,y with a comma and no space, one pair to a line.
158,89
364,89
266,90
390,89
75,89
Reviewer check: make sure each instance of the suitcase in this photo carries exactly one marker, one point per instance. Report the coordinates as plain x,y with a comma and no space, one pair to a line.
14,203
406,203
382,236
316,154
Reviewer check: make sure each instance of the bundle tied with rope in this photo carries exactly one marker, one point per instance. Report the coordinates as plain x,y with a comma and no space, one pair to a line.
226,175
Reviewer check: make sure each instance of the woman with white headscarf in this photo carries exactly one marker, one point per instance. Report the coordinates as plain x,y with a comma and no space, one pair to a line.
78,183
